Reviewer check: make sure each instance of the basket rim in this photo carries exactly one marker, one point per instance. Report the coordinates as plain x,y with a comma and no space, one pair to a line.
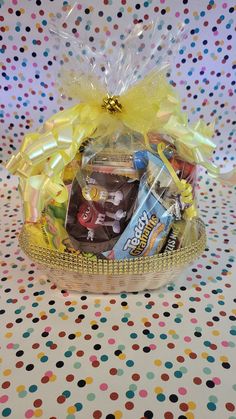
77,263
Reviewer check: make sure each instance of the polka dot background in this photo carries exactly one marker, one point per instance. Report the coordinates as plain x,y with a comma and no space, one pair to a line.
164,354
204,69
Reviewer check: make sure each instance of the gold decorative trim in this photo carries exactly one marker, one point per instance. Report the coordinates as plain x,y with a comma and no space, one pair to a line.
111,104
151,264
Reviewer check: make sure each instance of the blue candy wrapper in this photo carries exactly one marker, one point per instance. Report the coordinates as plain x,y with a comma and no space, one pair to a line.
146,230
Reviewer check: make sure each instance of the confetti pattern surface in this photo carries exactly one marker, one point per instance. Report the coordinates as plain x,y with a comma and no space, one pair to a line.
166,354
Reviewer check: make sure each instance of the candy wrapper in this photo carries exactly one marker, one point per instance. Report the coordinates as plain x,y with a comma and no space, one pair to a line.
112,179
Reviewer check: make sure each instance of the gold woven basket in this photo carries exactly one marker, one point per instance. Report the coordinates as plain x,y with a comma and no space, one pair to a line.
74,272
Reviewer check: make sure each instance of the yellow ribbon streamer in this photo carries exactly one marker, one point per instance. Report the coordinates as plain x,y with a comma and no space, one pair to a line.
183,186
150,105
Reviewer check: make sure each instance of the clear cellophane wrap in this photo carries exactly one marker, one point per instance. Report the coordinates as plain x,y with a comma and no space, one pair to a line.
112,179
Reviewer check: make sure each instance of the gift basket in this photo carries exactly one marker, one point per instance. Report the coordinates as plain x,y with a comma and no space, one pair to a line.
108,185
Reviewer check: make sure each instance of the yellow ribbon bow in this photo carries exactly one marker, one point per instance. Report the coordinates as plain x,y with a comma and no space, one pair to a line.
149,106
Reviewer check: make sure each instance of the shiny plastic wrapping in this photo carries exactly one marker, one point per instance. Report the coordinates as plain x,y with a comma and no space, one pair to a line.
114,176
124,202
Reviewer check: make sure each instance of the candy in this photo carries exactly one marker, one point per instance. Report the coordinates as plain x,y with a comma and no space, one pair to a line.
117,216
99,210
147,228
159,180
174,238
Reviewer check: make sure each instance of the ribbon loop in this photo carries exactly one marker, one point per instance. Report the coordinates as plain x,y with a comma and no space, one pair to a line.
151,105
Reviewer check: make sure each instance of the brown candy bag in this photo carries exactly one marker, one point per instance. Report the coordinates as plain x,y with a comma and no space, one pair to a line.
99,210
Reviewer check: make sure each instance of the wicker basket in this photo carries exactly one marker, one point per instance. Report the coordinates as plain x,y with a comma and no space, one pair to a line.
74,272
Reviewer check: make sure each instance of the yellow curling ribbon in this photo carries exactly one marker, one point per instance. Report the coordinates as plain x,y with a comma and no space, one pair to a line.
183,186
149,106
